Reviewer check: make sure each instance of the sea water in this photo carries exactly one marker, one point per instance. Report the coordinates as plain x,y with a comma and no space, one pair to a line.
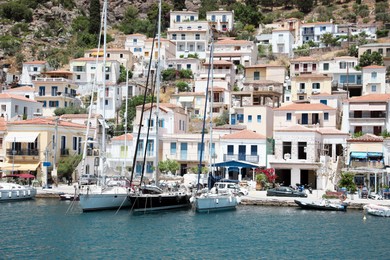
53,229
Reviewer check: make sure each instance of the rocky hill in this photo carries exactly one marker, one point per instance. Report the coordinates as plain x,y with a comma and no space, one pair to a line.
50,31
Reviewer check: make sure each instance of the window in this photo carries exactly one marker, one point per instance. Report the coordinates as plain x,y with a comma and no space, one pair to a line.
258,118
54,91
74,143
150,147
197,36
326,66
179,124
188,66
288,116
316,86
249,118
314,67
177,18
183,151
107,76
174,36
213,18
173,148
161,123
106,102
42,91
253,149
373,75
121,55
16,109
357,114
230,149
324,101
240,118
301,86
342,65
256,75
323,28
296,66
286,150
301,97
183,36
302,146
326,116
200,150
149,167
192,18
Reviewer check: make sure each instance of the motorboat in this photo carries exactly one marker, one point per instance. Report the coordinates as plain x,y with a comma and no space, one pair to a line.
68,196
322,205
10,191
377,210
285,192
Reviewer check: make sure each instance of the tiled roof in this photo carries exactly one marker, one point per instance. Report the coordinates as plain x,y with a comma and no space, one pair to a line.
64,116
108,49
316,23
136,34
220,62
263,66
93,59
58,72
228,42
244,134
122,137
19,97
330,131
35,62
297,106
323,95
303,58
20,89
295,128
370,98
374,67
366,138
46,121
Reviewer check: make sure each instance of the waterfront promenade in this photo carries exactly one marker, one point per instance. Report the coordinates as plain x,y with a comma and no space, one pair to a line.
254,197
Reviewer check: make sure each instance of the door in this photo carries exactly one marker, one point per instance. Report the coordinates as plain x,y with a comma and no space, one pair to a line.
183,151
241,152
305,119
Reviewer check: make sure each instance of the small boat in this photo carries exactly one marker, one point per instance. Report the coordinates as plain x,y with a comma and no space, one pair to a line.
322,205
68,196
10,191
377,210
206,202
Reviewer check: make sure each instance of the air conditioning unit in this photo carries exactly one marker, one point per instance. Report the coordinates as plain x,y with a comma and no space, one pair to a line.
271,88
286,156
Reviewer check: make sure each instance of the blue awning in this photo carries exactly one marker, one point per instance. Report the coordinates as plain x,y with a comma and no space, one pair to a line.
358,155
374,154
234,163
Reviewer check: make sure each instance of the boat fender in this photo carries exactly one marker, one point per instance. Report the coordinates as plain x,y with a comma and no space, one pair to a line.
29,192
10,194
24,193
1,195
17,193
216,201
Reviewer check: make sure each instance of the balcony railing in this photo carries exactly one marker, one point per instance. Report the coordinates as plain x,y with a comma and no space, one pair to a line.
64,152
241,157
368,116
371,164
24,152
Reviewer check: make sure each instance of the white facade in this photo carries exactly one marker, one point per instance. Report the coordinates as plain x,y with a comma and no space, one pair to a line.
36,68
221,20
314,31
237,51
16,107
282,42
136,43
185,64
86,69
374,79
120,152
110,103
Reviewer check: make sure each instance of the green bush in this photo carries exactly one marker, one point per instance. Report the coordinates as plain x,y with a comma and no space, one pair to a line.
182,86
16,12
185,74
382,33
9,44
169,74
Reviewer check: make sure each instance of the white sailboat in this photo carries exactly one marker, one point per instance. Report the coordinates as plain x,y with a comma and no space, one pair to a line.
103,196
211,199
148,197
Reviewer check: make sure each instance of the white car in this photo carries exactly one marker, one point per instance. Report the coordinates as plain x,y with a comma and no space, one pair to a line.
232,187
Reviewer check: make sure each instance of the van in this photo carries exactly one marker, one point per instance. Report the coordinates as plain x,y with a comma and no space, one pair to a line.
231,187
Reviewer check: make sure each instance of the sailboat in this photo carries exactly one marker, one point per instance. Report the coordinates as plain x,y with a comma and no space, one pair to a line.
151,197
211,199
103,196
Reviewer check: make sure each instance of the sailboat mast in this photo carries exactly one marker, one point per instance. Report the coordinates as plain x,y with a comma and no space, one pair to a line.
125,115
103,150
158,83
211,79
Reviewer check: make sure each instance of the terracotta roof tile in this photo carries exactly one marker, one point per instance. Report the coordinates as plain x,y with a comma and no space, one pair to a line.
374,67
263,66
220,62
35,62
298,106
19,97
295,128
244,134
303,58
46,121
366,138
370,98
20,89
3,124
230,42
122,137
92,59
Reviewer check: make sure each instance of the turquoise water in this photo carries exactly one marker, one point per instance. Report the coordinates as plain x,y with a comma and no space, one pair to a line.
42,229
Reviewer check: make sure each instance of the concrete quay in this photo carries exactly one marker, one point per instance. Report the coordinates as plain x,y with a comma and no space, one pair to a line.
255,198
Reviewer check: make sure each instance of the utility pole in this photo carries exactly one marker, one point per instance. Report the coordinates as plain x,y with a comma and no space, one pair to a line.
54,171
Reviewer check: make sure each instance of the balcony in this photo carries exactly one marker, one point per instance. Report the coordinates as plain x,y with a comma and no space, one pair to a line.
241,157
370,164
301,91
64,152
24,152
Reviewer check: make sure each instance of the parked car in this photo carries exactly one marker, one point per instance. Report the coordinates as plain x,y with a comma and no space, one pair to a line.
231,186
87,179
285,192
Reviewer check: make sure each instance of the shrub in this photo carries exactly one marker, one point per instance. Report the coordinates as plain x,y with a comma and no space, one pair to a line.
182,86
169,74
15,11
185,74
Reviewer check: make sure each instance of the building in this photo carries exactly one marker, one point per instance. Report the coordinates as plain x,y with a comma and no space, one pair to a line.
314,31
36,68
382,48
283,42
221,20
123,56
239,52
120,153
17,107
305,85
374,80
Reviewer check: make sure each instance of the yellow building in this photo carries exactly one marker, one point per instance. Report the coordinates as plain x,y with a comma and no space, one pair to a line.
305,85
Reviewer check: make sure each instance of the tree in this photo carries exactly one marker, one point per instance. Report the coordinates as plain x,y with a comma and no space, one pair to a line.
67,165
179,5
222,119
328,39
69,110
94,17
367,59
205,6
122,75
131,110
182,86
347,182
168,166
304,6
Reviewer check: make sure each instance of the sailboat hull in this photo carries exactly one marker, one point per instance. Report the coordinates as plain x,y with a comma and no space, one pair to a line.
14,192
215,202
156,202
105,200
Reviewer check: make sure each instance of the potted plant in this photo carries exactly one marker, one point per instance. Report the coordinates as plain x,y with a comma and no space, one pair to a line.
261,180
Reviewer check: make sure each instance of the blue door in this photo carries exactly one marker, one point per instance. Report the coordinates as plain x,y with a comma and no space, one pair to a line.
305,119
241,152
183,151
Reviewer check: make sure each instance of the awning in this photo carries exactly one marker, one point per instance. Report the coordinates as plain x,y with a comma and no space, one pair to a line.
28,167
358,155
4,166
79,63
21,137
234,163
186,99
97,53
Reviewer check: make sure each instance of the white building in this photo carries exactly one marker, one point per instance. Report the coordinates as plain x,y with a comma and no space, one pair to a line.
314,31
282,41
17,107
221,20
120,152
36,68
237,51
374,80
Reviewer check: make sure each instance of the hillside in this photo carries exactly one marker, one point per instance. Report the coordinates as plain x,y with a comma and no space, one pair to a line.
56,30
